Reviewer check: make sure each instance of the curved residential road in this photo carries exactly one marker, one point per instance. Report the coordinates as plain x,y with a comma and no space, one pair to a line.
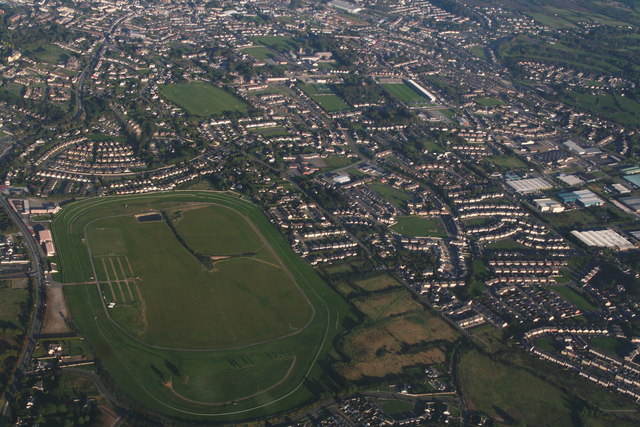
39,302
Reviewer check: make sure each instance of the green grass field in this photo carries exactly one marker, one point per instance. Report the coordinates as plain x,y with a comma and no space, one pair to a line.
215,317
419,227
324,96
511,394
573,296
271,131
259,52
489,102
278,43
394,196
397,406
405,94
50,54
506,162
202,99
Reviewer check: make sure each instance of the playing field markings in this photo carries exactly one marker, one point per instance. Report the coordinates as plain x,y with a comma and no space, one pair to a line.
115,273
126,258
113,295
104,265
126,280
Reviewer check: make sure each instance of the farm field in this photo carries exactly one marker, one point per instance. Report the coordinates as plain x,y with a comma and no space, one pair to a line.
379,349
419,227
387,304
203,324
405,94
510,394
202,99
324,96
377,283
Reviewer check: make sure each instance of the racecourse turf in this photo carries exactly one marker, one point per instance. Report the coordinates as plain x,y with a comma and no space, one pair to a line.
229,340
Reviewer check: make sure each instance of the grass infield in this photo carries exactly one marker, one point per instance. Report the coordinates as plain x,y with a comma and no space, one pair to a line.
215,317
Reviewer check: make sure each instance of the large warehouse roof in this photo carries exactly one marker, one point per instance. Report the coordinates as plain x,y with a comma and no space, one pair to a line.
606,238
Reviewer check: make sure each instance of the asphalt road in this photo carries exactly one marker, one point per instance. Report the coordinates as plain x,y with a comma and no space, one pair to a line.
39,303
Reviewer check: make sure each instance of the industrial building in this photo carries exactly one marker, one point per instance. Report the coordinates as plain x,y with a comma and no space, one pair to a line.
606,238
347,7
633,202
548,205
584,198
528,185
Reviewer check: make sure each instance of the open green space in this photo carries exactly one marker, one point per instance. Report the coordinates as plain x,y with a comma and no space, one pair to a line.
616,108
489,102
377,283
279,43
405,94
576,298
202,99
396,406
215,318
50,53
505,244
587,217
324,96
335,162
511,395
13,318
506,162
618,346
271,131
419,227
478,51
396,197
259,52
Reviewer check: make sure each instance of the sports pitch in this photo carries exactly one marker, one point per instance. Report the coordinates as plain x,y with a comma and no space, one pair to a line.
203,99
213,316
405,93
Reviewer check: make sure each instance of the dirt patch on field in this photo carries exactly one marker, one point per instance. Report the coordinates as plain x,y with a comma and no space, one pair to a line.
387,347
366,344
56,312
391,364
421,327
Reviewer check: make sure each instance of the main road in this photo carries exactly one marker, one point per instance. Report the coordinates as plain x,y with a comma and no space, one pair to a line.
39,301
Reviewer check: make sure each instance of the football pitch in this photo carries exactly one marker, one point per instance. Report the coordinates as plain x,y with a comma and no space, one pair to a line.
203,99
405,94
195,304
